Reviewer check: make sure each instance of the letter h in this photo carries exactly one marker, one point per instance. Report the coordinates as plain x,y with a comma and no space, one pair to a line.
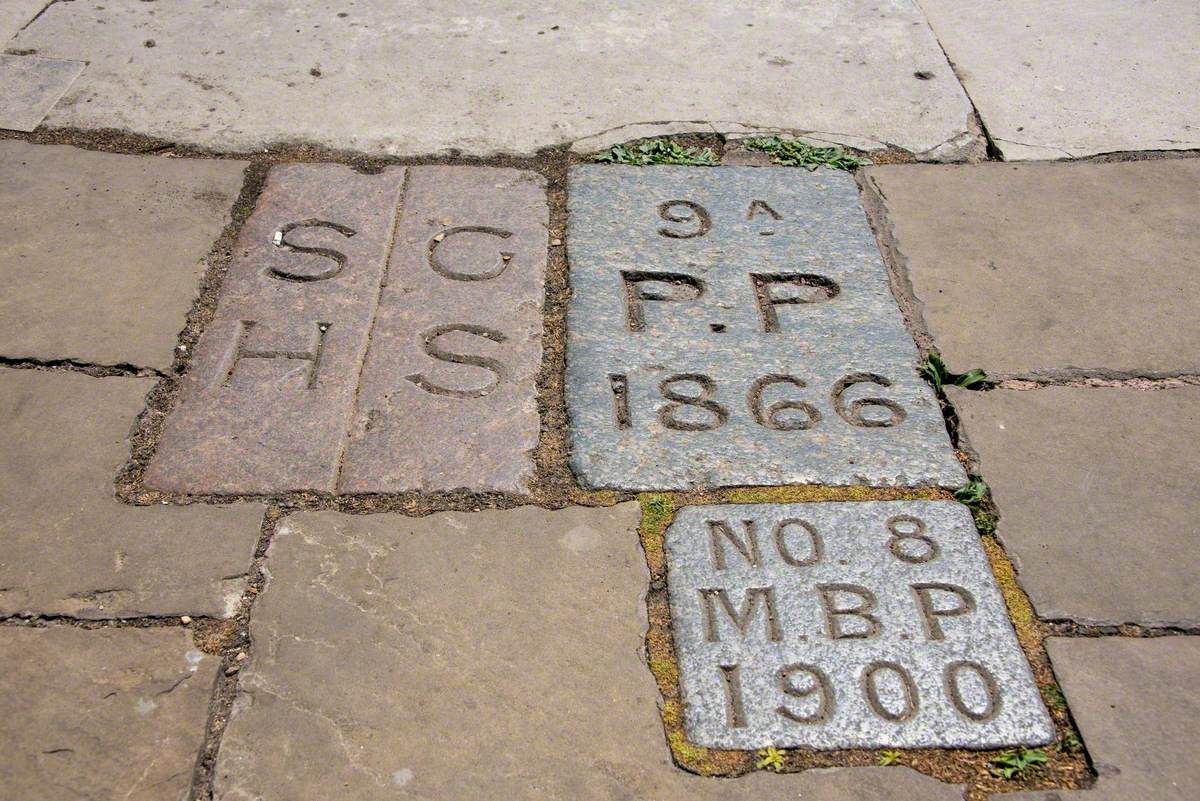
242,352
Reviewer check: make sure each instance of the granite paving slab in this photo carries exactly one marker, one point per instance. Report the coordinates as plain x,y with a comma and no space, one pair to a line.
271,387
1096,489
103,254
411,78
844,625
69,547
448,393
103,714
15,14
1028,268
30,86
1135,703
1055,79
735,325
472,656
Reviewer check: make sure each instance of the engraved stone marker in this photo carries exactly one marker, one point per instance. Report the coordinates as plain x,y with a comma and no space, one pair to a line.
734,325
441,328
844,625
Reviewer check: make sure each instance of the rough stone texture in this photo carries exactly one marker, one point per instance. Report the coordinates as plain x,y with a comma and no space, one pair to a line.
102,254
70,548
472,420
1135,703
888,560
410,78
14,14
260,425
471,656
1054,79
1024,268
104,714
1095,489
616,227
30,86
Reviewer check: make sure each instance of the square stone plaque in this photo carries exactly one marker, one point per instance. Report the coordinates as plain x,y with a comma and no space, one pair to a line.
845,625
735,325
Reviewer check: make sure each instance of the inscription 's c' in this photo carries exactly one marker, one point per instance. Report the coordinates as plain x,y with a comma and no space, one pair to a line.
457,275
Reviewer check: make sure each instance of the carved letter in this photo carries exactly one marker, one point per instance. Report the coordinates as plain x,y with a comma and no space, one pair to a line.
748,549
431,348
930,613
455,275
834,612
338,258
635,293
744,617
240,351
808,288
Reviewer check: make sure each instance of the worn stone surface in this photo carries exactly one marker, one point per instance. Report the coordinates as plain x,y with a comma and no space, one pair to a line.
1024,268
69,547
1068,79
1135,703
102,254
104,714
461,656
410,78
30,86
297,304
14,14
1096,492
448,398
770,292
796,625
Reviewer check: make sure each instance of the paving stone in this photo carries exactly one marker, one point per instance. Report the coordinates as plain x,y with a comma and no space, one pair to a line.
15,14
70,548
448,397
409,79
461,656
1070,79
103,714
1135,703
30,86
1025,268
103,254
844,625
269,392
1095,489
734,325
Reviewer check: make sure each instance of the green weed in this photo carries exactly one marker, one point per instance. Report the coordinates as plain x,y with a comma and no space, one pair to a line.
974,497
1018,763
795,153
889,758
1070,744
656,151
934,370
770,757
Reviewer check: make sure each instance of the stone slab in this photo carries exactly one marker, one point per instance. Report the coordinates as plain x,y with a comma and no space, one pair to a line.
70,548
103,254
103,714
461,656
1135,703
448,398
763,286
30,86
1069,79
1026,268
800,625
270,390
406,78
15,14
1096,491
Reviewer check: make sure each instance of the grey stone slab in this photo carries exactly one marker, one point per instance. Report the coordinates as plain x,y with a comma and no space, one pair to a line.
30,86
409,78
461,656
844,625
102,254
15,14
711,300
268,396
1135,703
1026,268
448,397
1096,490
104,714
69,547
1070,79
